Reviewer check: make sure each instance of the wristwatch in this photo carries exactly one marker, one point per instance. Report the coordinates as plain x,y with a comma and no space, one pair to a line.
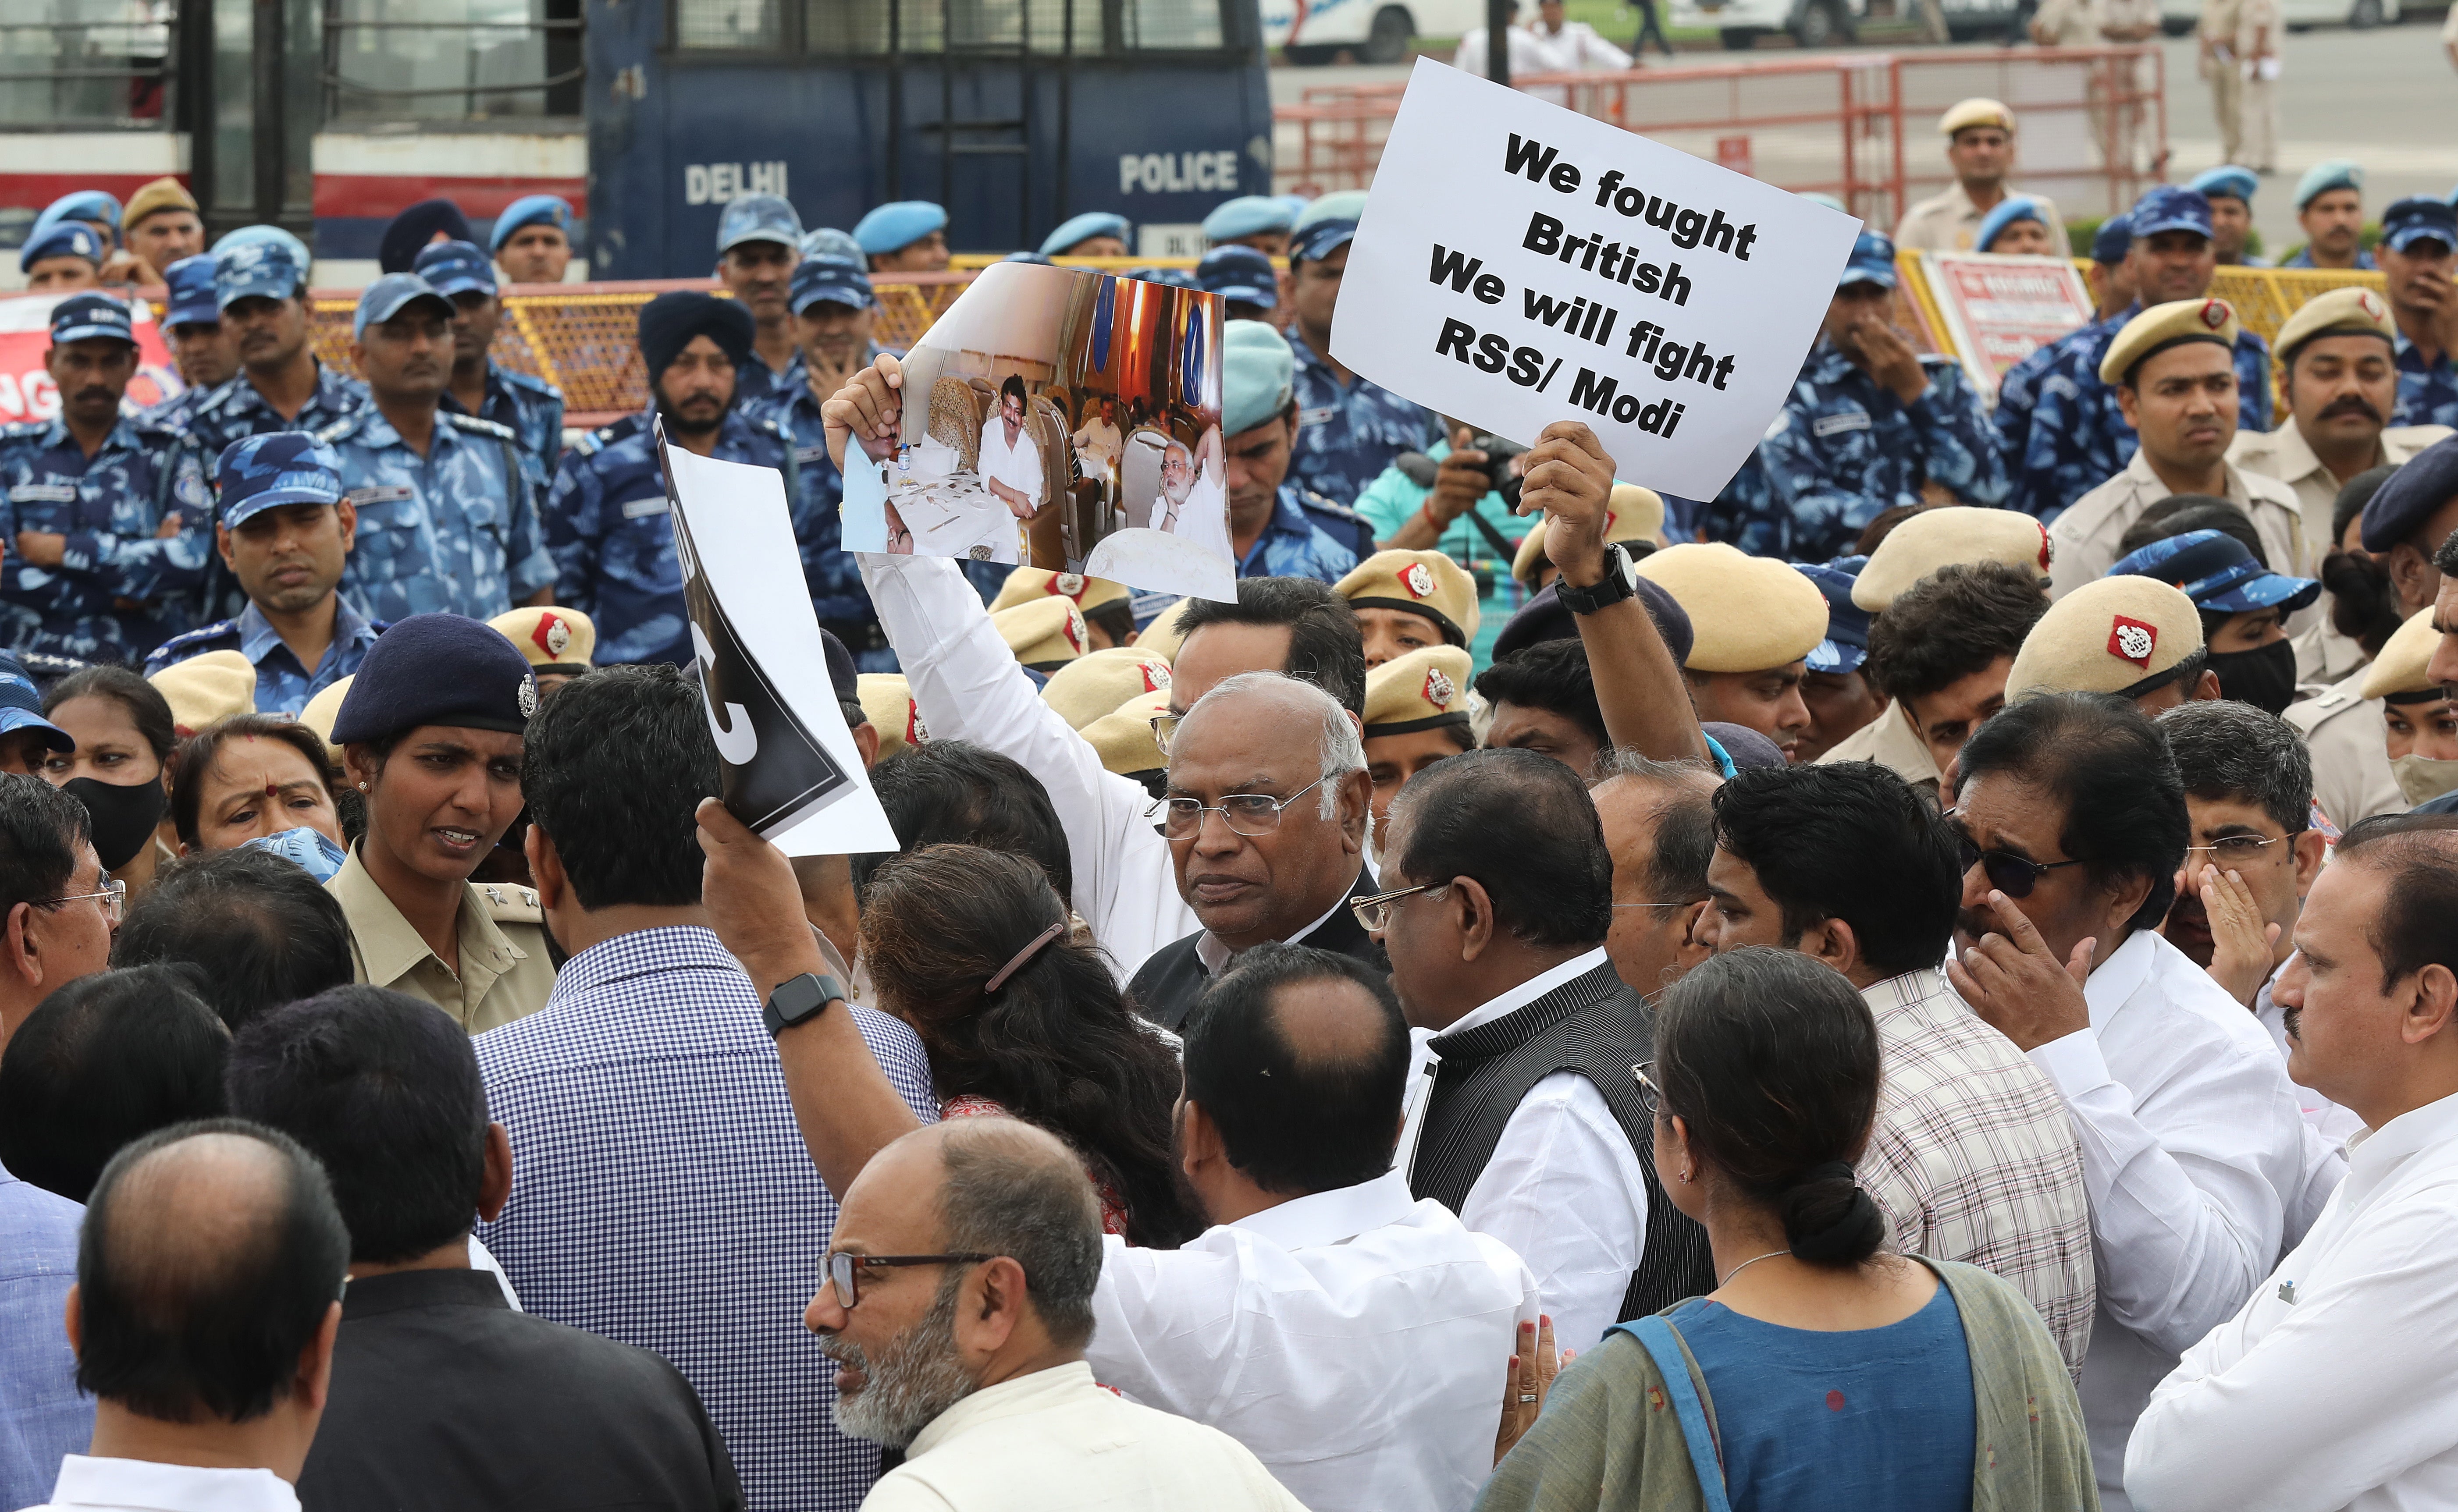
801,998
1620,582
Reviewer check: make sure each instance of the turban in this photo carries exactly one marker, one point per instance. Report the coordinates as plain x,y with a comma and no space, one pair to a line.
414,228
669,321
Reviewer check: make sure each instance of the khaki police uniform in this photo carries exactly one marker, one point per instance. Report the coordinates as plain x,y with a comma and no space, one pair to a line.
1950,221
2348,739
2323,657
504,972
1891,742
2284,454
2065,24
2086,537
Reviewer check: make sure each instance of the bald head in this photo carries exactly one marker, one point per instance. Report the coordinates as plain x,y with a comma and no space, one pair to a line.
211,1254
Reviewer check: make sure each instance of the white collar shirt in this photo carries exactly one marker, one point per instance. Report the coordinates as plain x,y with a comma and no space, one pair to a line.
1563,1188
1016,463
2331,1388
92,1483
2195,1156
1349,1338
1215,957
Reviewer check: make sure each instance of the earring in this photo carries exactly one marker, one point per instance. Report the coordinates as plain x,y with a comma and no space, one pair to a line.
363,787
1686,1178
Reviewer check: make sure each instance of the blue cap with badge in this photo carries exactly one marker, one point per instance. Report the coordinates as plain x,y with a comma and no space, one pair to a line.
437,669
1872,262
2419,218
21,706
1076,230
1847,625
1257,373
529,210
2170,207
91,205
66,238
2114,240
272,468
2216,570
1248,215
2331,173
897,225
388,296
839,280
81,316
2237,183
262,269
454,267
2011,209
1238,273
190,284
2409,497
758,218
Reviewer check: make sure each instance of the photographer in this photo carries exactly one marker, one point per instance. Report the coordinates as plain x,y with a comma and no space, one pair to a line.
1448,499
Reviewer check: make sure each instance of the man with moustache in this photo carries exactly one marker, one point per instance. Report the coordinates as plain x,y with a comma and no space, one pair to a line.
759,241
260,288
445,518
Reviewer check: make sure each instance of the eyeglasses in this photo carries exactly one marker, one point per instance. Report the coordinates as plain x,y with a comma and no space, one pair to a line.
2237,847
1374,912
114,896
2009,874
1164,729
1248,814
841,1272
1651,1096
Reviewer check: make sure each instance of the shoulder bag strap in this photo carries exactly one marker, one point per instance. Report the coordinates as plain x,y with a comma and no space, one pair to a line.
1664,1346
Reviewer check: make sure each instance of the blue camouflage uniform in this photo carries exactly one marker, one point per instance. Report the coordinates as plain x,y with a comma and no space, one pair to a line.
1293,545
171,414
1743,514
2303,259
532,409
1844,448
189,290
455,530
121,589
1348,433
2428,391
282,686
612,540
236,411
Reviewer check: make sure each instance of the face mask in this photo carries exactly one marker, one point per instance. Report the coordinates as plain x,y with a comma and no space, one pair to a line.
312,852
124,816
2264,677
2423,778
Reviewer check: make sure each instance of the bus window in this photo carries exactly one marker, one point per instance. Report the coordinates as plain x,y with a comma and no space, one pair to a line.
862,28
85,63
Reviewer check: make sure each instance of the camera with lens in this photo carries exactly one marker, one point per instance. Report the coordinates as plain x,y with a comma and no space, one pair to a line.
1498,455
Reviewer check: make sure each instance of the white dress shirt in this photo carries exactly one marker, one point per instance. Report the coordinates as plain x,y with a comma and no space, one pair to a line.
1099,442
2194,1155
1054,1441
91,1485
967,687
1563,1189
1017,466
2332,1387
1350,1338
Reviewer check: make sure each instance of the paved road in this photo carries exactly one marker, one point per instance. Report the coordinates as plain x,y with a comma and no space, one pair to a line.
2385,97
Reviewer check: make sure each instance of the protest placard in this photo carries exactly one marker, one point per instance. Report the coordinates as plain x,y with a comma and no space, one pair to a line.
1063,419
26,388
790,769
2000,310
1518,263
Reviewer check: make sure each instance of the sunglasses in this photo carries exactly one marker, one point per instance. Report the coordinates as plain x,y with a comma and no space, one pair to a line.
2013,875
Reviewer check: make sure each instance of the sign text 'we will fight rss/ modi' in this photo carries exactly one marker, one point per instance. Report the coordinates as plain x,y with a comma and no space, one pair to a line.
1519,264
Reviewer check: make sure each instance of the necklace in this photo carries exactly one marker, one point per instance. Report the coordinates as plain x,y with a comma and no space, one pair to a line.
1745,1265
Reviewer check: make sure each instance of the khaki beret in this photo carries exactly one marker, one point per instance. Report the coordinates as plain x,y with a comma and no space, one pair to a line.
1123,738
2105,636
887,700
1425,582
1085,688
1966,114
1044,633
162,194
2340,312
2164,325
1945,537
1632,514
2400,668
1747,614
1025,584
1164,635
1425,688
206,688
554,638
322,710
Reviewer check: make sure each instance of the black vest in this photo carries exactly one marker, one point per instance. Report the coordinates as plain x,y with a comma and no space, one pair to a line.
1166,985
1599,1027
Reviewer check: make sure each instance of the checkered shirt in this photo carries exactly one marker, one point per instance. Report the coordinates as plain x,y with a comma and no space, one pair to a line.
1974,1158
662,1197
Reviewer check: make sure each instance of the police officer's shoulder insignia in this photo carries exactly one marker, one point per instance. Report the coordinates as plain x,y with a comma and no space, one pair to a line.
1317,503
478,427
531,382
592,443
343,428
510,904
17,430
192,643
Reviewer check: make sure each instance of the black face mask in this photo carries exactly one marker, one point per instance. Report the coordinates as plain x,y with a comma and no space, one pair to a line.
124,816
2264,677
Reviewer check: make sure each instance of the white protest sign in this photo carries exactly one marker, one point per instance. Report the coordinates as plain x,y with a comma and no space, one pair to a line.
1519,264
791,771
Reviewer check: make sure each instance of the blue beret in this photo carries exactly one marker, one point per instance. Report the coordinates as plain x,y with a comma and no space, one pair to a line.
758,218
190,285
2169,207
388,296
893,227
529,210
80,204
442,669
1248,215
454,267
2419,218
2331,173
1079,229
275,468
1872,262
1544,618
1238,273
264,268
1745,748
85,315
2218,572
66,238
840,280
1847,625
2237,183
2407,499
2011,209
827,241
20,706
1257,371
2112,240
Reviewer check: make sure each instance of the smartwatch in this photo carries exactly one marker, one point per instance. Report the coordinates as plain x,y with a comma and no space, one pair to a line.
799,999
1620,582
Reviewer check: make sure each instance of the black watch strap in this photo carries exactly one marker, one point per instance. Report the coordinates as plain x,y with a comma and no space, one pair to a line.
799,999
1619,583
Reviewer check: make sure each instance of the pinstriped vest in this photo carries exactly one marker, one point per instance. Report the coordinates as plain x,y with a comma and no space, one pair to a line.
1592,1024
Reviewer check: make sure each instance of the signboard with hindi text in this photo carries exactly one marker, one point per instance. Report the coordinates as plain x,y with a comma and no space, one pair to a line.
2000,310
1519,264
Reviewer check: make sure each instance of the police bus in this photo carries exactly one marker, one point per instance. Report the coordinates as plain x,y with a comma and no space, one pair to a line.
330,117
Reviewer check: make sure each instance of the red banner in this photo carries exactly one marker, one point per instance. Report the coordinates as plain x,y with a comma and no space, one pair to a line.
26,388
